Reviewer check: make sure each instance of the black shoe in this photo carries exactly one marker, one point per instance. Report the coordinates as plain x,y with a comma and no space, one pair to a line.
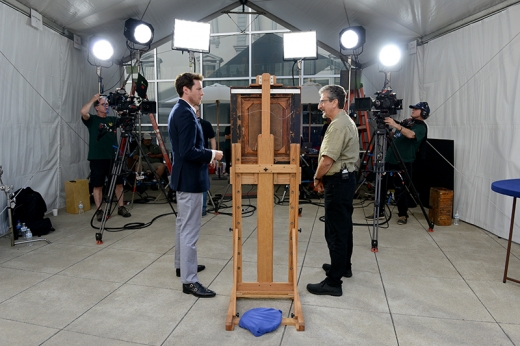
324,289
200,268
197,290
347,273
99,215
123,212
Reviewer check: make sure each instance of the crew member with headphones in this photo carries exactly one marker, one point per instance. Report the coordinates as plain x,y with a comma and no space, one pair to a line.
408,136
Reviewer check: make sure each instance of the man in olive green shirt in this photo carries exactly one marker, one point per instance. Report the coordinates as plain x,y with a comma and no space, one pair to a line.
101,151
335,175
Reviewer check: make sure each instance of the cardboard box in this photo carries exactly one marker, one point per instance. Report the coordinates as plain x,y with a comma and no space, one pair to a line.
441,203
76,191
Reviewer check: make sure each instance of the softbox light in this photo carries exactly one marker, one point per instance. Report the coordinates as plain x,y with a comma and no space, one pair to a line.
191,36
139,32
300,45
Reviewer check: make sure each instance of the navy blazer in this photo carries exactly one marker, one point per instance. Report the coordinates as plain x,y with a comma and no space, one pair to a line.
190,158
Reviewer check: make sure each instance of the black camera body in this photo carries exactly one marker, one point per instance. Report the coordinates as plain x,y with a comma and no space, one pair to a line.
127,105
148,107
385,104
122,103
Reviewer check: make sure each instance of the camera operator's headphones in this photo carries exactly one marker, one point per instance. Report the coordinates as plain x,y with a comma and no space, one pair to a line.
425,109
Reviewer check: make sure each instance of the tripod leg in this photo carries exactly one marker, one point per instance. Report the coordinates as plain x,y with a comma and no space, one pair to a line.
210,196
285,190
221,199
116,172
379,170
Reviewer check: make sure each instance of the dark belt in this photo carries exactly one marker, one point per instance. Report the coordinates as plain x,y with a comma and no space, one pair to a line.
336,176
333,176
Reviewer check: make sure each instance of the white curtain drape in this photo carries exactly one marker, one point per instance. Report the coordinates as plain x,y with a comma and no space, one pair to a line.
45,83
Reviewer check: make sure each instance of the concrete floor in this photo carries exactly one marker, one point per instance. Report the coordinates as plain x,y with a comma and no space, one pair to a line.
440,288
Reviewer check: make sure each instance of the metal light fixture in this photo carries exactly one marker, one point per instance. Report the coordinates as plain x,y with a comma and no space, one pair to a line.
139,32
102,51
352,38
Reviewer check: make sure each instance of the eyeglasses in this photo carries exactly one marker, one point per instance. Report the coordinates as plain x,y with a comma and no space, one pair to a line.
323,101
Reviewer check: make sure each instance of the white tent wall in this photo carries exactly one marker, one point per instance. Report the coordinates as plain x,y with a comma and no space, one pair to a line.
46,81
470,79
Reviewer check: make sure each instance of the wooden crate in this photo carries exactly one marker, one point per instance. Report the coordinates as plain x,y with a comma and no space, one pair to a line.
441,206
76,191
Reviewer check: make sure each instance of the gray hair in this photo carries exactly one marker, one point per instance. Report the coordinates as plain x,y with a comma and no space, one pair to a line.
335,92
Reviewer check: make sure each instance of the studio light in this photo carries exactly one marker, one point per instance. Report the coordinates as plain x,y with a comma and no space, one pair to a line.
139,32
300,45
352,37
191,36
102,51
390,55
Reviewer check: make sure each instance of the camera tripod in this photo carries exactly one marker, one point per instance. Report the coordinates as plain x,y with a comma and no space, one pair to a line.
379,145
117,168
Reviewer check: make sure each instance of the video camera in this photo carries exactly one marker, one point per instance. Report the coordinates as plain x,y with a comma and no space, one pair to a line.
128,108
127,105
386,103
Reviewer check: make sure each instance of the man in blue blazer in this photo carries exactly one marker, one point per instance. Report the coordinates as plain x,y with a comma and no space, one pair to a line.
189,179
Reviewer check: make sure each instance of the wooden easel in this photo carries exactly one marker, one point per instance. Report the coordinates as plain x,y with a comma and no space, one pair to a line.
265,173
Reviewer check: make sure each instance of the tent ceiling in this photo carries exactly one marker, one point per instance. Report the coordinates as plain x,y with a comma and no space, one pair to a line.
399,21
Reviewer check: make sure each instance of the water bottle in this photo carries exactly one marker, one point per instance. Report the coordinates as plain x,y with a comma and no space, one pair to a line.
80,208
28,235
24,230
456,219
19,229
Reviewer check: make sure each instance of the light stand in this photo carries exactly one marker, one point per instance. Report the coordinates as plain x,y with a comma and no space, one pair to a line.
11,203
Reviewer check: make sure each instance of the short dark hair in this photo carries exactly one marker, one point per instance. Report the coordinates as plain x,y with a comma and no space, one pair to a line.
335,92
186,80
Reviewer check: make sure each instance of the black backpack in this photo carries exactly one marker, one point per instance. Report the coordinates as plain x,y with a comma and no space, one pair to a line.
30,209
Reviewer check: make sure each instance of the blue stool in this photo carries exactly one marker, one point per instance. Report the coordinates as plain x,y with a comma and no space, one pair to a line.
509,187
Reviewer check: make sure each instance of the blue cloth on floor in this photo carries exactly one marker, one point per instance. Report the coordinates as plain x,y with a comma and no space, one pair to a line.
261,320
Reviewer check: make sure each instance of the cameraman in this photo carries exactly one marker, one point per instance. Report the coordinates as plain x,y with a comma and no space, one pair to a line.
101,151
408,136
